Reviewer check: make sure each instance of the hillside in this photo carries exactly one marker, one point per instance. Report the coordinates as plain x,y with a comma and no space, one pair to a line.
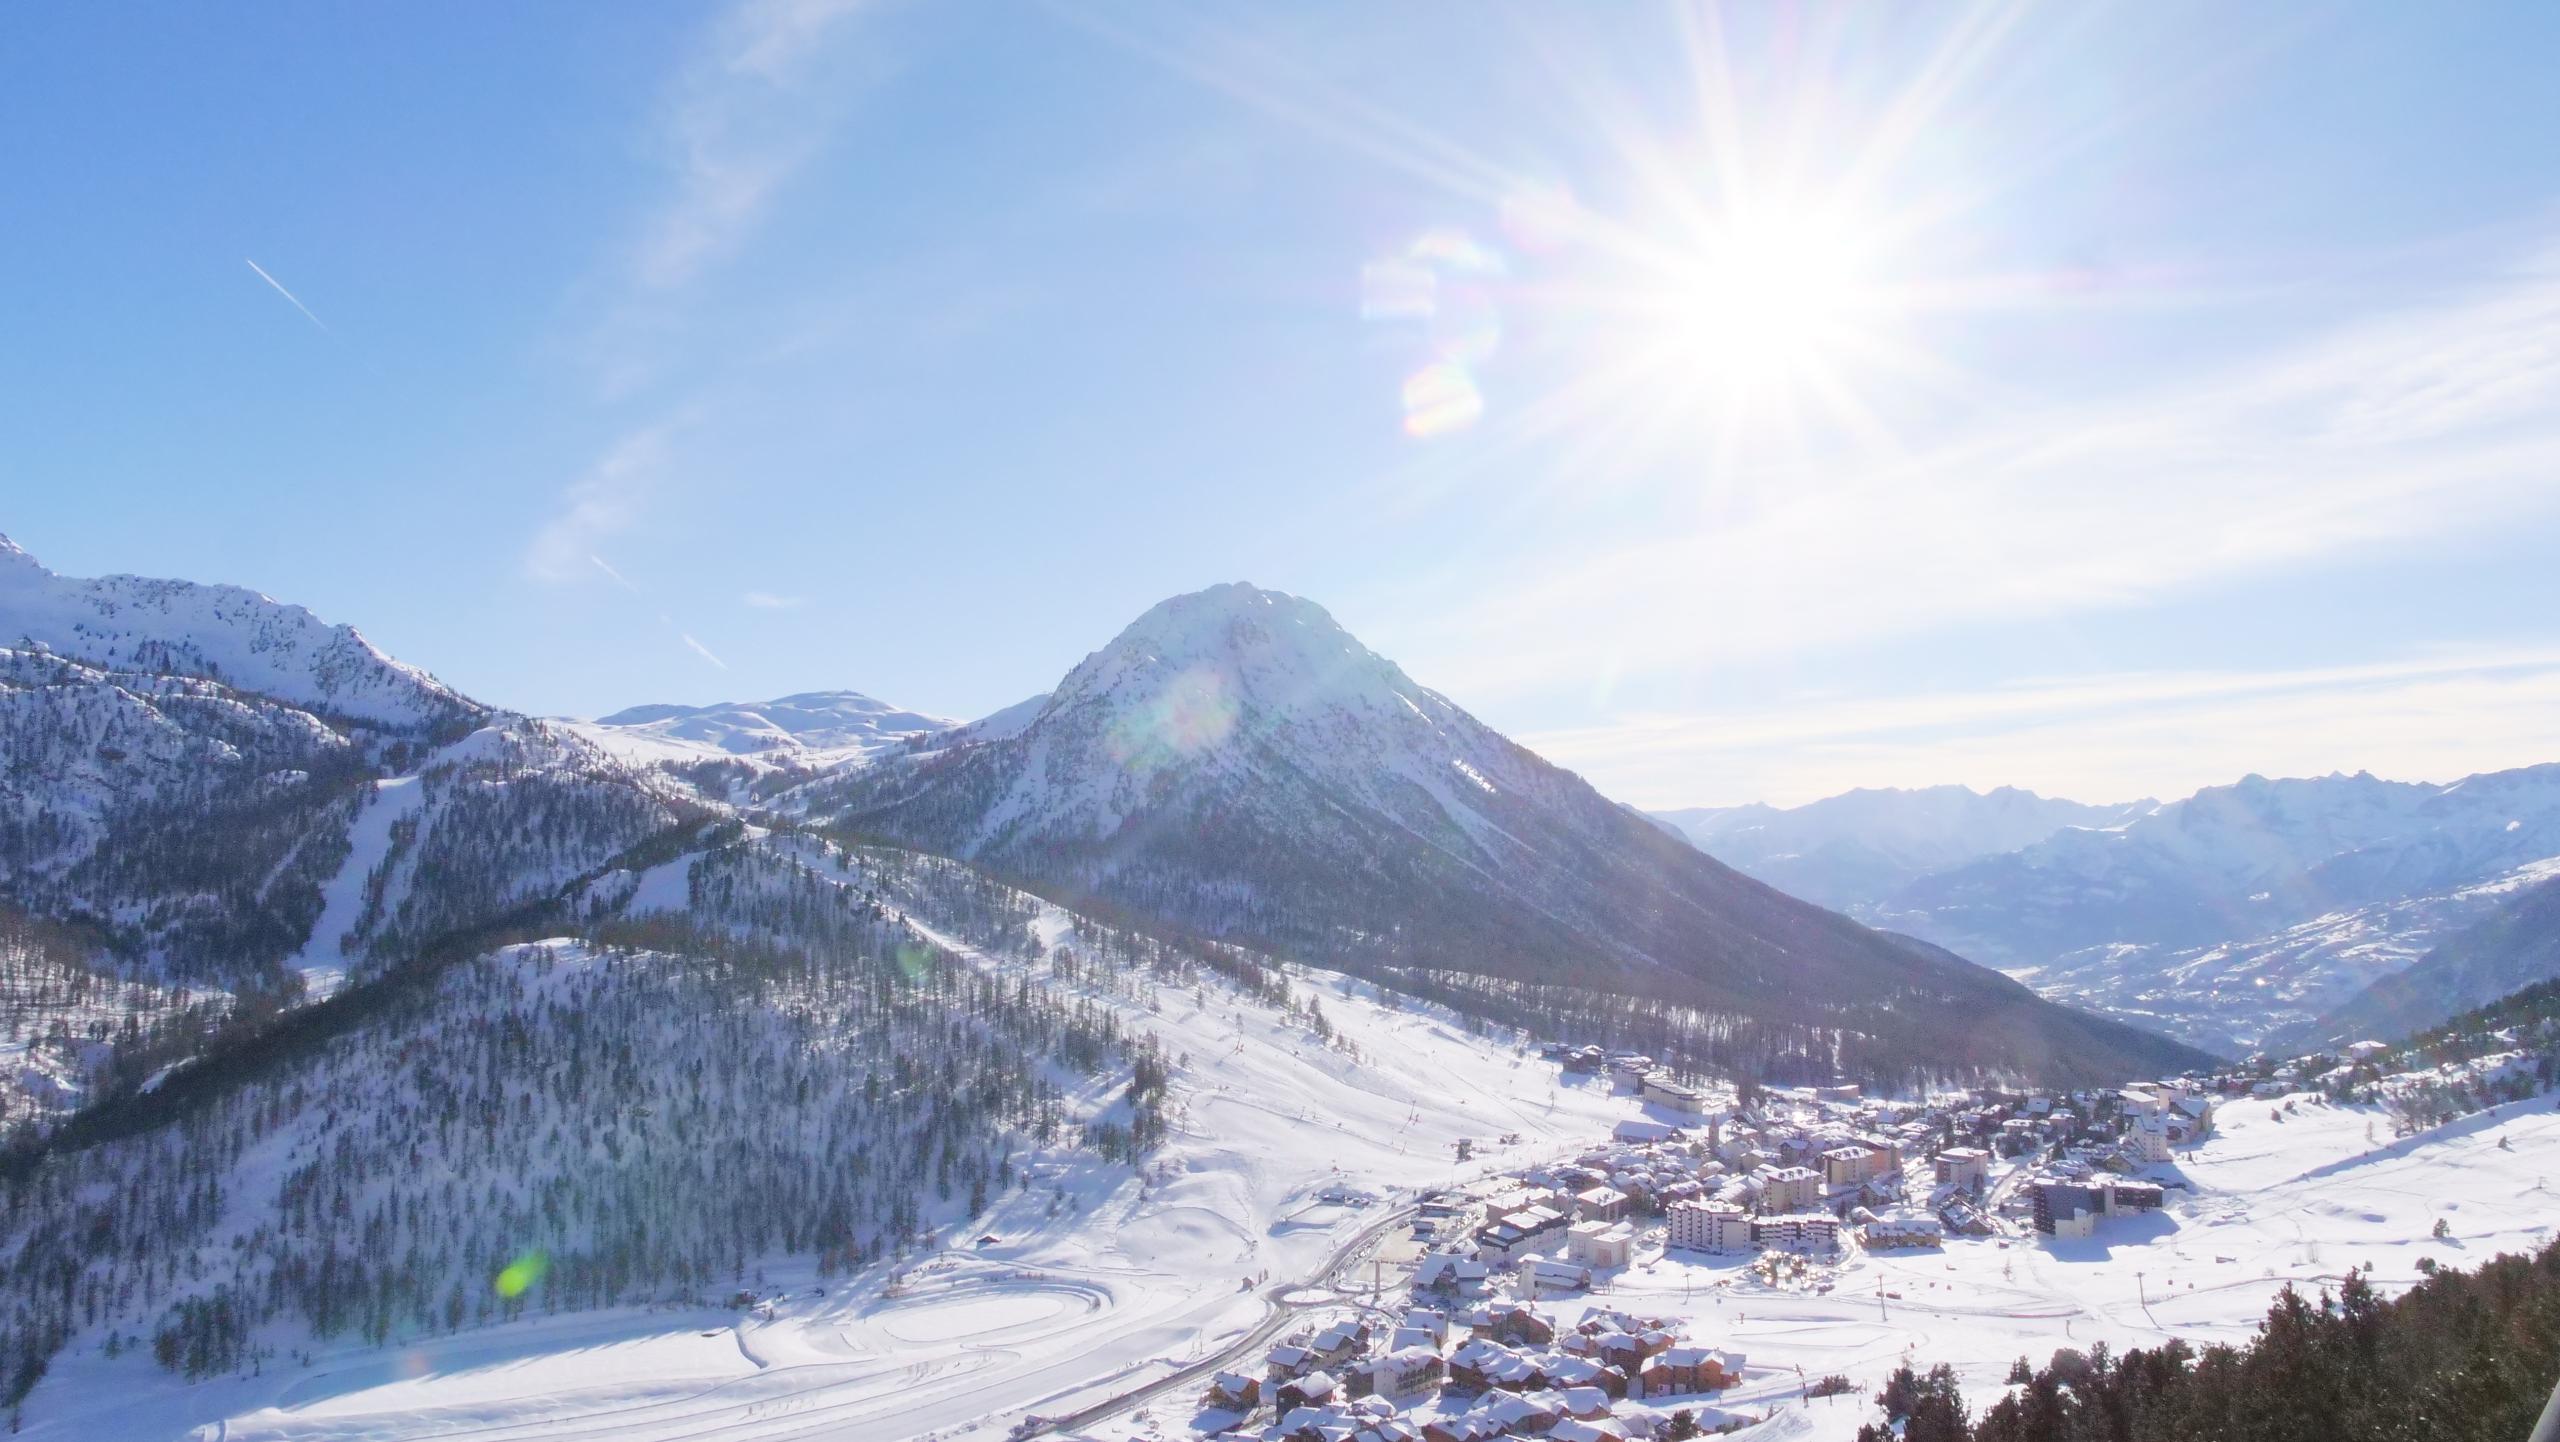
2513,947
1237,764
1079,1138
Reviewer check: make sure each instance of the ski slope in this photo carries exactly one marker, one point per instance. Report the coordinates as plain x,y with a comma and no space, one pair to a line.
323,961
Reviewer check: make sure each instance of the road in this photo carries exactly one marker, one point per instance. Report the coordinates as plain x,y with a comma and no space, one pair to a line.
1283,1312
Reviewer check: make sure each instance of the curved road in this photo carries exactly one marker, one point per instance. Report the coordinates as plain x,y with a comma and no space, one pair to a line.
1282,1313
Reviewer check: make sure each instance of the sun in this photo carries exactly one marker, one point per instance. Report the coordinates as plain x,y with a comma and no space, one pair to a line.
1769,299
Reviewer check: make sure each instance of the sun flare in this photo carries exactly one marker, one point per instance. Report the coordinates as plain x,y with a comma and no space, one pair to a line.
1771,290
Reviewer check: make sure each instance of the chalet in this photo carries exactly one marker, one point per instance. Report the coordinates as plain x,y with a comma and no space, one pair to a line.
1401,1373
1545,1278
1451,1274
1572,1429
1498,1415
1904,1231
1521,1326
1287,1360
1585,1374
1586,1403
1312,1390
1339,1343
1431,1327
1235,1391
1681,1370
1481,1364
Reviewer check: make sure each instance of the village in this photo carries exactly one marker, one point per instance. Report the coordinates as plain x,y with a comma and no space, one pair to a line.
1529,1303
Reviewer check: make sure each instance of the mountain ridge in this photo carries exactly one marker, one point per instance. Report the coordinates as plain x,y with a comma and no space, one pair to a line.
1234,761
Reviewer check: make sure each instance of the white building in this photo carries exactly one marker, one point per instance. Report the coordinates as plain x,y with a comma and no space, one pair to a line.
1967,1168
1600,1245
1711,1227
1799,1232
1790,1189
1661,1090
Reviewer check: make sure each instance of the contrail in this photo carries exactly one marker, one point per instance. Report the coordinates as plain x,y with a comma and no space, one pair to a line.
703,651
289,295
607,567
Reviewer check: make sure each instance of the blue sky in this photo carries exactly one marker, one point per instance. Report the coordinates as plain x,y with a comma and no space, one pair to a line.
1741,404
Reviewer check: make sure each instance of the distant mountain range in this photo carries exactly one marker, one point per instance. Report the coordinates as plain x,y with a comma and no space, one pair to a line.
810,721
2241,914
1847,850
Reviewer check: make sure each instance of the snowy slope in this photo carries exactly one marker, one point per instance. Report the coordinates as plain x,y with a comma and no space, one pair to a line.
2278,1197
1849,850
223,633
1235,762
1100,1275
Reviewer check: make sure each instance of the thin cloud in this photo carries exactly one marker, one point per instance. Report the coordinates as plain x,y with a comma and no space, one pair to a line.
759,99
288,295
2097,738
768,601
598,504
618,578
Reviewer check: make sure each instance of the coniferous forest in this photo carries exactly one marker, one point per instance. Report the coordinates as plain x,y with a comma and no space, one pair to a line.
2459,1357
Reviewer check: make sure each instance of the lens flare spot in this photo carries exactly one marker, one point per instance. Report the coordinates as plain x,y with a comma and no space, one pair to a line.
520,1275
1398,289
914,962
1191,714
1540,218
1441,399
1454,251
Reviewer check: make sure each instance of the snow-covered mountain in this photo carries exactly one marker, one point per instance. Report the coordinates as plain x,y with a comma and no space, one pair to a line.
2240,860
809,721
2512,947
222,789
1848,850
2227,918
246,641
1234,762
